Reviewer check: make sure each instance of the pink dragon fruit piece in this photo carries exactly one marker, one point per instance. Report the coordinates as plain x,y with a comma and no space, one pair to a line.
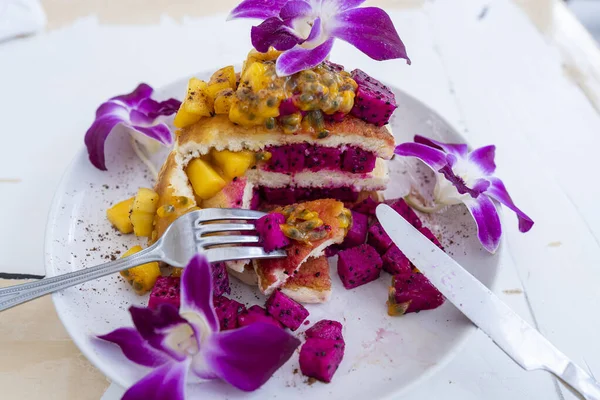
378,238
400,206
427,232
358,161
296,153
165,291
325,329
320,358
321,157
228,312
333,66
287,107
374,102
332,250
358,266
279,196
367,206
335,117
270,233
395,262
255,202
220,279
345,194
286,310
357,234
412,293
256,314
280,159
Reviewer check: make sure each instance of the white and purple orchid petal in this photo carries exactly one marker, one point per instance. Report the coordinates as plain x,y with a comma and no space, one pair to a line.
166,382
161,327
434,158
370,30
135,347
136,111
108,116
135,98
483,158
498,191
274,32
487,219
161,133
299,58
315,31
457,149
247,357
197,295
295,9
478,187
343,5
259,9
154,109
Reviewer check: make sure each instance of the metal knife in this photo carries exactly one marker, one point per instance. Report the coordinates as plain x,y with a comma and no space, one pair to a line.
525,345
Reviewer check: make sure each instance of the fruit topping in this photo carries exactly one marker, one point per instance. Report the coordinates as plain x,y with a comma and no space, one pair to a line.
142,277
374,102
358,266
412,293
118,215
270,232
166,290
286,310
143,209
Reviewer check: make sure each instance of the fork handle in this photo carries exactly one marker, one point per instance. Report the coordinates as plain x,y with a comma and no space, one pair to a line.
19,294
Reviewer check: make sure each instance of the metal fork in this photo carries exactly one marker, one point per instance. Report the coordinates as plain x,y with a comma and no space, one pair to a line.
192,233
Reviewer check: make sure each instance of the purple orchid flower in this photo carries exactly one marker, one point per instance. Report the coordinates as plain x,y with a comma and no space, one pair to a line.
138,112
466,177
306,29
174,342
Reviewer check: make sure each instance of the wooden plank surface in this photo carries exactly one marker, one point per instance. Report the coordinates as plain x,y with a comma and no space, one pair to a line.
483,65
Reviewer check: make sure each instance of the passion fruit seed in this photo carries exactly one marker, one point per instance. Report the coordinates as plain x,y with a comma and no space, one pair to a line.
270,123
310,224
165,210
181,200
263,156
316,235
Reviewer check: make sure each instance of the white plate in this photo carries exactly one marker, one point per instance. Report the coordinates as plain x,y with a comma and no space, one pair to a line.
384,355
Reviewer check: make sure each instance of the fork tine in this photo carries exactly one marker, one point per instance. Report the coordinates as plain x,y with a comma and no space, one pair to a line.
226,239
240,253
216,214
212,228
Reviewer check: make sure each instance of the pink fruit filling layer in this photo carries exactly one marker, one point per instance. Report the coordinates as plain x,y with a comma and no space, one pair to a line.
291,195
298,157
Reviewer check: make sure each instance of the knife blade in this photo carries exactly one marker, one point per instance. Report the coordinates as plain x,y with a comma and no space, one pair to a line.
519,340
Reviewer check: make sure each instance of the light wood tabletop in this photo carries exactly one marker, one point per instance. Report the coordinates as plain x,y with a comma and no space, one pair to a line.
533,101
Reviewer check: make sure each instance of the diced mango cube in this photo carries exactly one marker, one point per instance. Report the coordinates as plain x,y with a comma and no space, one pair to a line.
205,181
233,164
118,215
223,101
143,209
256,76
197,104
254,55
143,277
220,80
184,118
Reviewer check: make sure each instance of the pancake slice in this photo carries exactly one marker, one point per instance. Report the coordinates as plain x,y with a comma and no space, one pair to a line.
274,273
311,283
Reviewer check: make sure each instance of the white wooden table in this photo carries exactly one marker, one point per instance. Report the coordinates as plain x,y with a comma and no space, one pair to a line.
483,65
